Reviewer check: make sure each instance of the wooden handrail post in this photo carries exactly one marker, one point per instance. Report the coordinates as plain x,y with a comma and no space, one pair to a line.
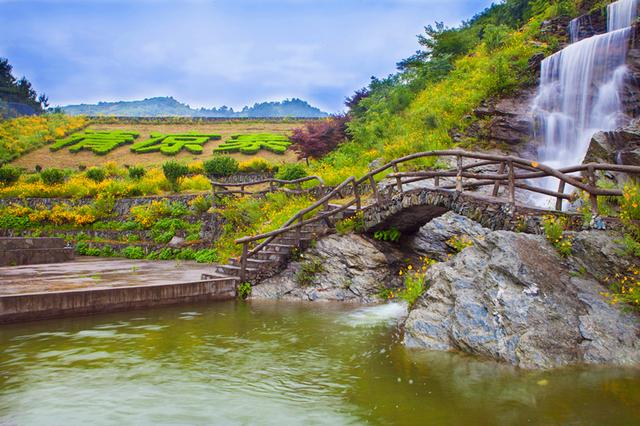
356,194
496,186
459,175
374,188
559,199
243,262
436,181
398,178
213,196
512,188
299,230
593,198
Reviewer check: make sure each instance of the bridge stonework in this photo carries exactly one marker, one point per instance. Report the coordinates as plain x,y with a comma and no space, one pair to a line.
412,209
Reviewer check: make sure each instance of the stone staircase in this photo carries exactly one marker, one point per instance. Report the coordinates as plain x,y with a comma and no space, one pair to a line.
274,255
15,251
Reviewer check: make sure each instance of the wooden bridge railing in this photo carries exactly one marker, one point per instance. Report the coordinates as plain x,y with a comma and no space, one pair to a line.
513,173
221,189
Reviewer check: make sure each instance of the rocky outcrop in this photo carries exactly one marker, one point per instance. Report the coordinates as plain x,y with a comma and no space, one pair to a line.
349,268
511,297
506,122
620,146
431,240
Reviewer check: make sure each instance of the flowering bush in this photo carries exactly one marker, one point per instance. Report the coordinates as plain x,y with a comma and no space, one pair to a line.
554,228
21,135
413,282
625,288
459,243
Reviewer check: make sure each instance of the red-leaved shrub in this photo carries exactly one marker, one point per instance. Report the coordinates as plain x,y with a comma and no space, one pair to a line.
318,138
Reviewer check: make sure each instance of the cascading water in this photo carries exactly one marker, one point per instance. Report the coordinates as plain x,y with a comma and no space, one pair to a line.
621,14
580,86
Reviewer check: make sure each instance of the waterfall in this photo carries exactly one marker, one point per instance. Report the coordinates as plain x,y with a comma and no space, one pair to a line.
579,92
621,14
574,30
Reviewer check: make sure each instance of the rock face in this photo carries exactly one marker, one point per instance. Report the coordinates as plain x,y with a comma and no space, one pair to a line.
348,268
510,297
620,146
506,121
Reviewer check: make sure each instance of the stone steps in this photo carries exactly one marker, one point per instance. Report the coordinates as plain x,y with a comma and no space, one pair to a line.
30,251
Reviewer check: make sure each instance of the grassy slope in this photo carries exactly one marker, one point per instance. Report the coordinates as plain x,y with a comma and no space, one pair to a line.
440,107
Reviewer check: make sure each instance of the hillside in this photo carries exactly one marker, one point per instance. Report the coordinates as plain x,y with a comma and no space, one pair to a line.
170,107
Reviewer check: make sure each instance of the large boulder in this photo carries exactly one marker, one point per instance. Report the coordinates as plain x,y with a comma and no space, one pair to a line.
512,298
432,239
349,268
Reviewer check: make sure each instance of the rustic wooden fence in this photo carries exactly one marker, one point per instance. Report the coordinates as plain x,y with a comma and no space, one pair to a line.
512,173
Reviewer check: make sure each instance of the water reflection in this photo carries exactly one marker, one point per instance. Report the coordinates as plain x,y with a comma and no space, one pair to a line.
279,363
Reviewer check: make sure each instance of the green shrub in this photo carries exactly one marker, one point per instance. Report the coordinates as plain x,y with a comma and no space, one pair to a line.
220,165
136,172
354,223
554,231
244,291
52,176
133,252
392,235
174,171
164,237
200,205
291,172
9,175
206,256
186,254
459,243
308,271
96,174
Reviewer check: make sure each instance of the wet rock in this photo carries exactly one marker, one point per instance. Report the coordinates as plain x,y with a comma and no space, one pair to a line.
510,297
351,268
620,146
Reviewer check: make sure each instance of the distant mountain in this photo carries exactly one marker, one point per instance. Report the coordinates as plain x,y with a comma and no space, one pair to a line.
169,107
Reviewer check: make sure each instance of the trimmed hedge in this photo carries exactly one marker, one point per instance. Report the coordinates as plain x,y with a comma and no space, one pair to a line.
100,142
173,144
252,143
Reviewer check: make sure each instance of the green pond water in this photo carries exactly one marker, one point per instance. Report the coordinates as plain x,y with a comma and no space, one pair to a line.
278,364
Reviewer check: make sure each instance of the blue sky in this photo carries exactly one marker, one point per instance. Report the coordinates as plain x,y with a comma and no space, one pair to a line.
214,52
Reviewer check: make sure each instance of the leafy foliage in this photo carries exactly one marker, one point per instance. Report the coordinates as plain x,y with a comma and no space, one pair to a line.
244,290
136,172
554,228
392,235
52,176
174,171
317,138
291,171
9,175
96,174
220,166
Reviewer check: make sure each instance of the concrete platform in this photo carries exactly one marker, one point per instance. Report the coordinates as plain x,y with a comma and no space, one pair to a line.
93,285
